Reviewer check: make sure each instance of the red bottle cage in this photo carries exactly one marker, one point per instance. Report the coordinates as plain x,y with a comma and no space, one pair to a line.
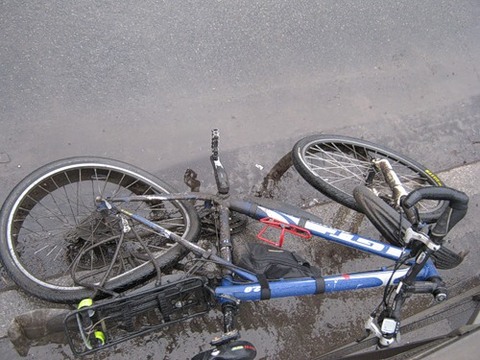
284,228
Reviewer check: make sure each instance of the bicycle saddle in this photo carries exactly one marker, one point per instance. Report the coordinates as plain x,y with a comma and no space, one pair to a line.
235,350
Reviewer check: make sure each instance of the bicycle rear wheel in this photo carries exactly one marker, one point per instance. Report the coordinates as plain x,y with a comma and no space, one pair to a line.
335,165
56,245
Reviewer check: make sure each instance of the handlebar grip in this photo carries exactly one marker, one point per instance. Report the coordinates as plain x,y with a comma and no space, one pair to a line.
424,287
456,210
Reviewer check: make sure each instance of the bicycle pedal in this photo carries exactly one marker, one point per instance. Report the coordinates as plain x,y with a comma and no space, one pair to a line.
283,228
226,337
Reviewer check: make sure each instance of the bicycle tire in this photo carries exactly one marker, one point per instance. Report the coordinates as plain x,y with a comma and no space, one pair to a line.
50,225
335,165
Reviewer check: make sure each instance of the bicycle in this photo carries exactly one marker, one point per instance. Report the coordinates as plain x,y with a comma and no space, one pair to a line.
88,228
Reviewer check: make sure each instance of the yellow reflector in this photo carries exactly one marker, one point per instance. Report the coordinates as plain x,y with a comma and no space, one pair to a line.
99,335
84,303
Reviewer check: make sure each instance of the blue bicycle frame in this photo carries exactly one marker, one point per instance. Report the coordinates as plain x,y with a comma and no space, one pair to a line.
250,290
239,284
333,283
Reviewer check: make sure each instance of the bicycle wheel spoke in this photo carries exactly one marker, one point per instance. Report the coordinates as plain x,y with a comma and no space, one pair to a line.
335,165
57,233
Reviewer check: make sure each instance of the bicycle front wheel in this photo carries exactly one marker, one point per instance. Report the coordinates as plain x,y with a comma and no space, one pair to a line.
57,245
335,165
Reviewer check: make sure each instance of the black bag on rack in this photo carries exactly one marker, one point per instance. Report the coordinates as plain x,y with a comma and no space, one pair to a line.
276,263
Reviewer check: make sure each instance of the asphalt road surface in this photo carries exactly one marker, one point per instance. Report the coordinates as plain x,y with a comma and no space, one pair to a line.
146,82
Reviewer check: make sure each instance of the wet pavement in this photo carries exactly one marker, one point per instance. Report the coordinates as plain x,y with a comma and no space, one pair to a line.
145,83
283,328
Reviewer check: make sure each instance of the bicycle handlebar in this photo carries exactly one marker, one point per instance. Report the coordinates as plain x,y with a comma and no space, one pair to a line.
458,200
435,286
456,210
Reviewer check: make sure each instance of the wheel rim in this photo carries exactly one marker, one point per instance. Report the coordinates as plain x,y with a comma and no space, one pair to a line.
56,216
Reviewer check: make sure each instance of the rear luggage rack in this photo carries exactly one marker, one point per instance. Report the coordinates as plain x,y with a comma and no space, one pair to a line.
96,327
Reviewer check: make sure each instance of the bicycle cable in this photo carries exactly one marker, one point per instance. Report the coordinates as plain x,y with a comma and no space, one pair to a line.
389,288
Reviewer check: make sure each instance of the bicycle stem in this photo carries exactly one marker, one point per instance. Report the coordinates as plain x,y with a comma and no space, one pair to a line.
392,179
398,190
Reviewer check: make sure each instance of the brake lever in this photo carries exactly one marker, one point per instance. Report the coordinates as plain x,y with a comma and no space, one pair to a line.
411,235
